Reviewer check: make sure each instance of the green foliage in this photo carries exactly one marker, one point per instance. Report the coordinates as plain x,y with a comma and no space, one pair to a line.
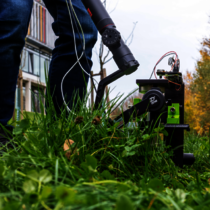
197,92
124,202
156,185
106,169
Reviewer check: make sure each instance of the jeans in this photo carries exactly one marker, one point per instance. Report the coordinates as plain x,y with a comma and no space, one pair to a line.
14,20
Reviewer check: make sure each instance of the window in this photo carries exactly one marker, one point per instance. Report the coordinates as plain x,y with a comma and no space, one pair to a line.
24,60
24,96
45,65
37,99
36,65
47,62
42,69
31,63
18,97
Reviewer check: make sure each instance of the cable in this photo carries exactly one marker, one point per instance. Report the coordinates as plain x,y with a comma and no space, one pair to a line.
80,41
72,8
74,64
78,58
91,77
165,55
175,84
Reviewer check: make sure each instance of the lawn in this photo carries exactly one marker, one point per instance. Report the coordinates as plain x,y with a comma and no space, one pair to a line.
105,168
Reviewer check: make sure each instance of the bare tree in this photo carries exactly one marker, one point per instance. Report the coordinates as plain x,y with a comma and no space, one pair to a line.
103,53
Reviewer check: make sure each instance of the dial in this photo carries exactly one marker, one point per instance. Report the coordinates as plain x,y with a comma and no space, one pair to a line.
111,37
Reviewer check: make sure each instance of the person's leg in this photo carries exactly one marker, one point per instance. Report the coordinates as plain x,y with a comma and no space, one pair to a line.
64,56
14,20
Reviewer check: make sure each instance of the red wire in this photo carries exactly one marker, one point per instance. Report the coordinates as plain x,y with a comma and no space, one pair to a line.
162,57
175,84
171,67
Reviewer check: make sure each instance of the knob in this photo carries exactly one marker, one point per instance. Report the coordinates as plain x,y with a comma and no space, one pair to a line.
111,37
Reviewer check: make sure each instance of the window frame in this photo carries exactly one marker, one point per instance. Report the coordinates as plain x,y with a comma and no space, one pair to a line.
29,51
35,98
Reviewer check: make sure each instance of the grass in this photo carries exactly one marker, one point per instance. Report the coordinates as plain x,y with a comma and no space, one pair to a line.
107,169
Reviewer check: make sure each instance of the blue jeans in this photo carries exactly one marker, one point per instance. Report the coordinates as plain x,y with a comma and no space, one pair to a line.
14,20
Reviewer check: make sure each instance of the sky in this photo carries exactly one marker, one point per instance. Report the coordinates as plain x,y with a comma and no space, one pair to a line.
162,26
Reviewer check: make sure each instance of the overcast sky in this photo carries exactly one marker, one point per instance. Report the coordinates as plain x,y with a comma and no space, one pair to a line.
163,26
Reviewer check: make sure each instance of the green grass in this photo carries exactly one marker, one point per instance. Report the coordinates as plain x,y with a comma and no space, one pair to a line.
113,170
28,115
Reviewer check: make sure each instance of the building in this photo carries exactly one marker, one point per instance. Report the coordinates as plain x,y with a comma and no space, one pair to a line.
35,58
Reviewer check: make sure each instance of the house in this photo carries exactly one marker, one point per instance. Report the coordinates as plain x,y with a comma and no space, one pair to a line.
35,58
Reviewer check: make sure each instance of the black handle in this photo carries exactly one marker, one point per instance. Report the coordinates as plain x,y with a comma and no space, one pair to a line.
122,55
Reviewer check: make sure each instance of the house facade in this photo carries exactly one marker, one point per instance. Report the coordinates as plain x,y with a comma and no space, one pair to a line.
35,58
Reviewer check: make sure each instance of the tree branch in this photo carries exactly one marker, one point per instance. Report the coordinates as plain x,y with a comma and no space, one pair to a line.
114,8
131,34
106,56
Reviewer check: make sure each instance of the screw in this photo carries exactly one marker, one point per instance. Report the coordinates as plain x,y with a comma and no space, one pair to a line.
172,109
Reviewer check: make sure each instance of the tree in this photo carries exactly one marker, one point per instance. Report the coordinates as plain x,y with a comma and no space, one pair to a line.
190,113
103,53
197,102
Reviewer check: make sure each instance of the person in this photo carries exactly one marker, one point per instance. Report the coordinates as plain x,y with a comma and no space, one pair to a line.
14,20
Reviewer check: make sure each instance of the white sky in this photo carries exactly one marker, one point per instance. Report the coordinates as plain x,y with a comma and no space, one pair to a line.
163,26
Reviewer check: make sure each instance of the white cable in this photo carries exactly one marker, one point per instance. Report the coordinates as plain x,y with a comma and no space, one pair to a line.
82,34
78,59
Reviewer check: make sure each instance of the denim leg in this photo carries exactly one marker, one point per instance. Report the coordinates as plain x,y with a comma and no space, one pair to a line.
63,57
14,19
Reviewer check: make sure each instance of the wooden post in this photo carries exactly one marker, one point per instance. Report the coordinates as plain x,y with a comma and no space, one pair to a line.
92,91
102,74
21,94
107,89
20,86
